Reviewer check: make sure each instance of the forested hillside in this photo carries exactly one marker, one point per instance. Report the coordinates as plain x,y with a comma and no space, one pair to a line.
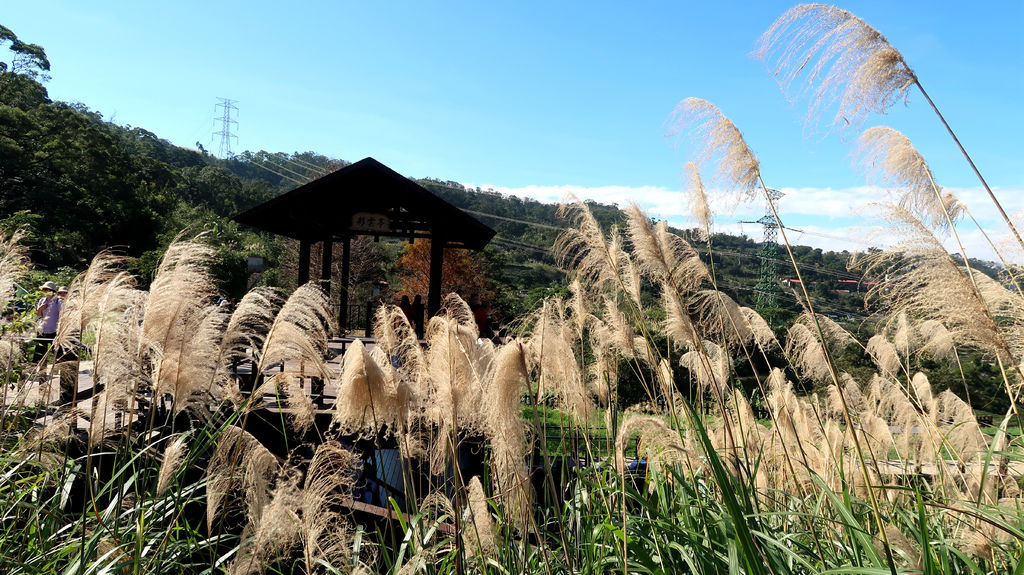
81,184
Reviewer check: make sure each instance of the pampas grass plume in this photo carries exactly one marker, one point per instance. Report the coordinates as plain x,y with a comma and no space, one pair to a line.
173,456
845,62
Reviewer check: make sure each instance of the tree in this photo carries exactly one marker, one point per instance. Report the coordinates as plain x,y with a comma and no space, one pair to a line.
29,59
463,272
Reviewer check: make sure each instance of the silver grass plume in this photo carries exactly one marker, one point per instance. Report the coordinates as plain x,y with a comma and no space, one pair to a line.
401,357
299,331
583,249
807,351
748,434
578,317
273,532
709,368
663,255
850,390
888,157
611,338
845,62
174,454
893,405
244,336
799,427
722,147
87,290
10,353
457,365
199,375
663,445
505,386
457,361
239,463
961,429
14,263
103,304
551,354
697,201
478,533
936,341
367,402
178,303
301,412
719,317
923,280
762,333
884,354
325,533
678,324
632,281
397,341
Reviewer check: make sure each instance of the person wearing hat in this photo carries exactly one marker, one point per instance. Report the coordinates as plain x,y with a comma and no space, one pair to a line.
48,310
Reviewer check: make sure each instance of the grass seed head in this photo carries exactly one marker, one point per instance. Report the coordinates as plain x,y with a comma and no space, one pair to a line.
844,62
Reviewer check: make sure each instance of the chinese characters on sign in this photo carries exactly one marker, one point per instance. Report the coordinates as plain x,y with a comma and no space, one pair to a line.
368,222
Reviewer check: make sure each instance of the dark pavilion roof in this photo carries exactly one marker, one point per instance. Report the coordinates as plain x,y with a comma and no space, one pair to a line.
366,198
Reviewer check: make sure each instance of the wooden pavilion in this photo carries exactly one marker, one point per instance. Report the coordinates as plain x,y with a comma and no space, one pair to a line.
366,198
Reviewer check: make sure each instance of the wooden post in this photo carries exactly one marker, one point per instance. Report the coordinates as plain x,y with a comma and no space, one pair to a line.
303,262
325,266
343,307
436,267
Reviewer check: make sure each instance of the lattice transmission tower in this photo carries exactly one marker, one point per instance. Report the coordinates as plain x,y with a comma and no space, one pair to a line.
228,112
767,288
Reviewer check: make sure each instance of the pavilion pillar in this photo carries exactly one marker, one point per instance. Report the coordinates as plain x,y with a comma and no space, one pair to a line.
343,305
325,265
437,243
304,262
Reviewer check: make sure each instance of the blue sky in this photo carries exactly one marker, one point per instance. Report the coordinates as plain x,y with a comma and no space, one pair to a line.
536,98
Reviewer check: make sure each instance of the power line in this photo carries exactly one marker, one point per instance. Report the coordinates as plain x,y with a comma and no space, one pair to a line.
519,245
323,171
227,106
535,224
275,172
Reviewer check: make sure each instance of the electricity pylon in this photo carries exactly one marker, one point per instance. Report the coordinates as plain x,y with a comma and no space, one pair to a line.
227,106
767,288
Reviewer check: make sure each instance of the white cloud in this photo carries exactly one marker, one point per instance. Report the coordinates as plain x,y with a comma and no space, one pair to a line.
829,218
